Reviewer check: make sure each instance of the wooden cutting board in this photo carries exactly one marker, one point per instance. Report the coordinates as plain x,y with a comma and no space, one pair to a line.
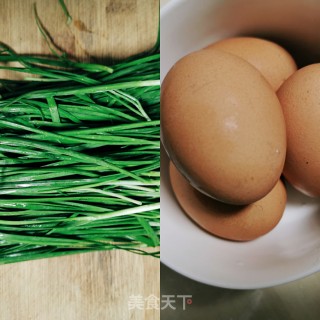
93,285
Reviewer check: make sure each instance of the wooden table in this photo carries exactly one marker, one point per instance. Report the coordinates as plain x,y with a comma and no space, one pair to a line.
94,285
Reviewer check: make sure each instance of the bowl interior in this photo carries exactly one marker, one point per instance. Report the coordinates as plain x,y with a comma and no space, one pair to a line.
188,25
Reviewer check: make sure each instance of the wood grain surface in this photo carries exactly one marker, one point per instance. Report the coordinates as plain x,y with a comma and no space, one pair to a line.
93,285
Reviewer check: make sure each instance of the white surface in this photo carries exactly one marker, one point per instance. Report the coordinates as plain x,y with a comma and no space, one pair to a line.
289,252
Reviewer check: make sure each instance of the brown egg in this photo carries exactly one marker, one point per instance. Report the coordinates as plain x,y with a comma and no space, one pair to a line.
222,126
240,223
300,100
273,61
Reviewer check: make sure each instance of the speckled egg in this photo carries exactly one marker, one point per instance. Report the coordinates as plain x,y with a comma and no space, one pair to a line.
273,61
223,127
300,100
240,223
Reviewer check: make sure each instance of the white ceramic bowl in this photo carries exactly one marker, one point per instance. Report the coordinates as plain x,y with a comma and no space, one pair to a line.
290,251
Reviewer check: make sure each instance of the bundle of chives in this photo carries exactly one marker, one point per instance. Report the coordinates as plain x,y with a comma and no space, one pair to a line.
79,157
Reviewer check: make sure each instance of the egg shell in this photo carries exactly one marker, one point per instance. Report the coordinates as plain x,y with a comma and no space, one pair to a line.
239,223
300,100
222,126
273,61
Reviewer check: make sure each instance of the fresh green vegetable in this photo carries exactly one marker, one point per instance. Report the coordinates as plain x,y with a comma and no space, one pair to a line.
79,156
66,11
